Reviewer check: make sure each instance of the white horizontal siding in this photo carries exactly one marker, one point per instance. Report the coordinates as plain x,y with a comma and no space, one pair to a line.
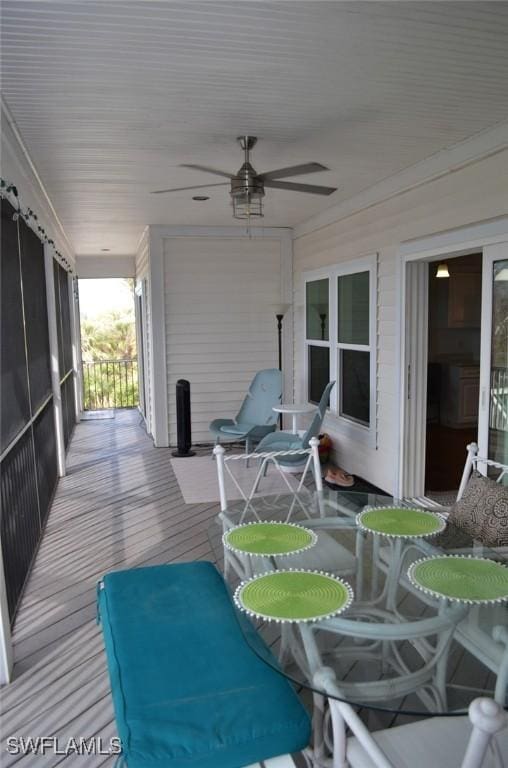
220,321
469,195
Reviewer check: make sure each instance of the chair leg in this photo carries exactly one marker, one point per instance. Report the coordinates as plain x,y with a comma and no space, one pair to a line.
248,449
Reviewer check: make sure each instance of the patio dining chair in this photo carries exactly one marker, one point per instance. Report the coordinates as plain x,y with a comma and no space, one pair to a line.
328,553
480,741
483,632
473,463
384,639
256,417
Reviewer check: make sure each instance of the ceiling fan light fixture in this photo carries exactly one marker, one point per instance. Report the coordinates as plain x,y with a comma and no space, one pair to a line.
247,204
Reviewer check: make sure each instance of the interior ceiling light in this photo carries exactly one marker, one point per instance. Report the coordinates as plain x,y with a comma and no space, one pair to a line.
442,270
200,198
105,250
247,188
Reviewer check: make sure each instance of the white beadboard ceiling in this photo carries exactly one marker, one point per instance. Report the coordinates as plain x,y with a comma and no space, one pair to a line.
111,96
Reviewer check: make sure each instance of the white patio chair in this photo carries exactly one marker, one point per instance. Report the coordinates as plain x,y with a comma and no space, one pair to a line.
484,631
473,462
383,638
437,742
327,554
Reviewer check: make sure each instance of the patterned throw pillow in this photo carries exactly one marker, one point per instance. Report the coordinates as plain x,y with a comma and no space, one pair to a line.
483,511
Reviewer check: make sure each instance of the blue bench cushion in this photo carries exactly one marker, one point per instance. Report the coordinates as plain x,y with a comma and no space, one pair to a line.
188,690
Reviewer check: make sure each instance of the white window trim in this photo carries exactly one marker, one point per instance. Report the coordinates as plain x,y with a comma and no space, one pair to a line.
350,429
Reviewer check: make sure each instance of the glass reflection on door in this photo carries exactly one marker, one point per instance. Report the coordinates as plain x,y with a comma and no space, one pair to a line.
498,415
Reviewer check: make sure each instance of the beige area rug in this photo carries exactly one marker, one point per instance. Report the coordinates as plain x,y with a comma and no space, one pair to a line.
197,478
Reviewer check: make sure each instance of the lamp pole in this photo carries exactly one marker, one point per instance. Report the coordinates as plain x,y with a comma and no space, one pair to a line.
279,333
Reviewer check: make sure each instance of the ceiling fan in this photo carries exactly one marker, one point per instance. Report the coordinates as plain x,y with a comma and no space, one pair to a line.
247,188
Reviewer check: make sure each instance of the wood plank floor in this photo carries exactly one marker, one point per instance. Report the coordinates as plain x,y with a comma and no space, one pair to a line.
119,506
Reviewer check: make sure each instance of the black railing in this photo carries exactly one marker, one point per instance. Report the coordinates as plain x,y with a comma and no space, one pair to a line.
110,384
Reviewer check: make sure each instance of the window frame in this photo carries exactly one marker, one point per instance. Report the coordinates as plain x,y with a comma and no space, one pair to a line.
355,430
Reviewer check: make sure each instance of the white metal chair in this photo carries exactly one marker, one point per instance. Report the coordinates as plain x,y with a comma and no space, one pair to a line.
484,632
327,554
473,462
440,742
382,637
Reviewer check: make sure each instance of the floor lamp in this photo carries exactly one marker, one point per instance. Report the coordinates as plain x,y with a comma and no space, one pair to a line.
280,311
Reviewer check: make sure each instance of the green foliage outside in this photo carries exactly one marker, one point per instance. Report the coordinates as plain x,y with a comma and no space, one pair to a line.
108,348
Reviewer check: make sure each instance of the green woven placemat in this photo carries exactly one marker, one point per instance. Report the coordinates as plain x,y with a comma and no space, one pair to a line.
400,521
294,595
462,578
269,538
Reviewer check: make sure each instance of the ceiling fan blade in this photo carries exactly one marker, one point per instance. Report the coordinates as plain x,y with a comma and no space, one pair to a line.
184,189
293,170
312,189
207,170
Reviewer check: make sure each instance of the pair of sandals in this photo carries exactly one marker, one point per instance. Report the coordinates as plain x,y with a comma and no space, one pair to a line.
335,476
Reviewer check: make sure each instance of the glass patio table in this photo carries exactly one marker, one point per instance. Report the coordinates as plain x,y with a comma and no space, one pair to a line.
419,626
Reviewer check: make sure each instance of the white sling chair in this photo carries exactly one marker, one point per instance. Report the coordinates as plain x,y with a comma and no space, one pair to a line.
437,742
327,554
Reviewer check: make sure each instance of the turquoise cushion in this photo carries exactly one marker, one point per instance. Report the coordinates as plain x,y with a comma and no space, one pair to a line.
188,690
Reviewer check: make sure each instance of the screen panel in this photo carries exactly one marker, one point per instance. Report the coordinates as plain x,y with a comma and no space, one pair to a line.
15,412
45,457
36,315
19,522
66,322
56,278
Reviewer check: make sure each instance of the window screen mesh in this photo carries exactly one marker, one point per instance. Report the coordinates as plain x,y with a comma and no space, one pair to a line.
45,457
28,471
36,315
20,525
66,322
15,411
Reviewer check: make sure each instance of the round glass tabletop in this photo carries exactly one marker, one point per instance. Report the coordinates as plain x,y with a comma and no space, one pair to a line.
384,632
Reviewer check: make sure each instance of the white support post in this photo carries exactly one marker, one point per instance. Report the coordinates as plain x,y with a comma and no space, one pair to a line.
76,347
219,452
314,444
55,367
472,451
487,717
158,369
6,655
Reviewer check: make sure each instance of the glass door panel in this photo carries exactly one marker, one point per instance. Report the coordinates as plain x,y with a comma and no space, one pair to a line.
498,389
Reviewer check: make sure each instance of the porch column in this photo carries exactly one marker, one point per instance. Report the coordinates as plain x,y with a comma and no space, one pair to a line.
158,369
55,366
6,656
76,346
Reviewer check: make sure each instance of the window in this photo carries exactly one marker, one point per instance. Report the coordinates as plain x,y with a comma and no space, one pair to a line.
317,320
340,313
353,351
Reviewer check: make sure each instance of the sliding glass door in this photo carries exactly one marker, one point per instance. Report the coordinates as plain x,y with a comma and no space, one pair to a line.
493,422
